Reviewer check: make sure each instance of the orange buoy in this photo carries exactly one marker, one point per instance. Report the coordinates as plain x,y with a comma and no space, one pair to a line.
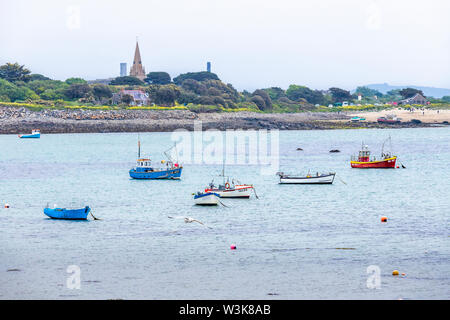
395,273
6,206
383,219
403,274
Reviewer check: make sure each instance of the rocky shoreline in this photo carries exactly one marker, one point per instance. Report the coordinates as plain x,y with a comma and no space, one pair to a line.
15,120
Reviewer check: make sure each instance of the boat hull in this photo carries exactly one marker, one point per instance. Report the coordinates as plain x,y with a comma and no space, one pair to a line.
65,214
241,191
207,199
324,179
379,164
171,174
30,136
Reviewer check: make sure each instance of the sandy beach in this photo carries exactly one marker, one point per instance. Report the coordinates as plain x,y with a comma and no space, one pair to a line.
426,115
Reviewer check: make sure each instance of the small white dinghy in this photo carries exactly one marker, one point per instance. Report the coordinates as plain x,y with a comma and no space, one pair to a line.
206,199
319,178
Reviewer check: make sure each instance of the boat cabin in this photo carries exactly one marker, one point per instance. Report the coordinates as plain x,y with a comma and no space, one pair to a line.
144,163
364,154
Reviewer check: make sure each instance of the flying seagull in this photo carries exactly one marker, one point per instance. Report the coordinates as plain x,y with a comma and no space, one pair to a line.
189,220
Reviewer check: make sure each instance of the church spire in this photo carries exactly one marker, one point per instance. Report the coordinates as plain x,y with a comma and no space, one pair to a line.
137,70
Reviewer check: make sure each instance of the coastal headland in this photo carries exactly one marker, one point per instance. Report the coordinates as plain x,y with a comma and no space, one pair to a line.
15,120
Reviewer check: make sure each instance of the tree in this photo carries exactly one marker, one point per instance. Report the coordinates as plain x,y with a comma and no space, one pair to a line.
296,93
101,91
409,92
275,93
158,78
259,102
127,99
37,76
11,92
367,92
75,81
199,76
14,72
126,80
446,99
340,95
265,97
77,91
194,86
164,94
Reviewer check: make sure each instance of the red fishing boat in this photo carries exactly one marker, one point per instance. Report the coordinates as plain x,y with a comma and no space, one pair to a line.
365,161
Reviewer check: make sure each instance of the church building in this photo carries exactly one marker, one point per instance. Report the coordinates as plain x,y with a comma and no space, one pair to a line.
137,70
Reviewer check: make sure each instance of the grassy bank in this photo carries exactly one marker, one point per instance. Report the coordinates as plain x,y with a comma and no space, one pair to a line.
69,105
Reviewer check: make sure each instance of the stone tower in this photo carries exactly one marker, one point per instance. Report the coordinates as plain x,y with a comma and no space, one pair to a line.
137,70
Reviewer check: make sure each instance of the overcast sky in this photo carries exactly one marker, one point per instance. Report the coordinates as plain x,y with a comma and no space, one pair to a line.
250,43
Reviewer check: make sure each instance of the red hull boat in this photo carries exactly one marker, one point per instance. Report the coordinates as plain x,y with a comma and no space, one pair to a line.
385,163
364,161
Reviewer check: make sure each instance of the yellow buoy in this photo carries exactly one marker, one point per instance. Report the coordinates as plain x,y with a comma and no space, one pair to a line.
395,273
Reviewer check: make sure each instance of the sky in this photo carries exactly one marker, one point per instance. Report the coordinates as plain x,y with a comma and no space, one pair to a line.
250,43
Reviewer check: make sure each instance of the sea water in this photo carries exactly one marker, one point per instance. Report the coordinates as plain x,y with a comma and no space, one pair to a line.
294,242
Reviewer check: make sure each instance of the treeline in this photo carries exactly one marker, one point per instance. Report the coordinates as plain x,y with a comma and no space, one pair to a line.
203,89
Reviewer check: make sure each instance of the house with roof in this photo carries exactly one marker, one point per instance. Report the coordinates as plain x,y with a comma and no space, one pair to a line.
140,98
415,99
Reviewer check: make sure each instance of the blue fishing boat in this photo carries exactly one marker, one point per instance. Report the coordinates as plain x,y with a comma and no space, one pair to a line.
67,214
145,170
36,134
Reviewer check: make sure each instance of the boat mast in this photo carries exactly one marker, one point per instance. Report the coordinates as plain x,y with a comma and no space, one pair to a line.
139,147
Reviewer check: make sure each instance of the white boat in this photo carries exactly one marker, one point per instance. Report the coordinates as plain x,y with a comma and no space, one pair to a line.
231,190
206,199
319,178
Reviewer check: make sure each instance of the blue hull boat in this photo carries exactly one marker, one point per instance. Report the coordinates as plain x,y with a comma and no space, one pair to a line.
153,173
36,134
63,213
145,170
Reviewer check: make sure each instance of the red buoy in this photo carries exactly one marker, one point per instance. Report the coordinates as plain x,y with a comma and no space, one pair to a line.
233,247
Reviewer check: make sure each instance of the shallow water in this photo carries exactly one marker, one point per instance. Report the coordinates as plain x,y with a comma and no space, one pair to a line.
286,241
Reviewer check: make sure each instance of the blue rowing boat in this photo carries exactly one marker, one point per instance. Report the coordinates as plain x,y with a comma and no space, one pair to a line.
36,134
63,213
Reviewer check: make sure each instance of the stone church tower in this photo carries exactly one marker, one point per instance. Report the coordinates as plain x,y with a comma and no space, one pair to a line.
137,70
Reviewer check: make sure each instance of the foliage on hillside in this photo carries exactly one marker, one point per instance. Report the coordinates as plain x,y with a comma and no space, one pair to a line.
195,91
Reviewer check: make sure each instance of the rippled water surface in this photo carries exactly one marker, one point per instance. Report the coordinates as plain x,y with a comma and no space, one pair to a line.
287,241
